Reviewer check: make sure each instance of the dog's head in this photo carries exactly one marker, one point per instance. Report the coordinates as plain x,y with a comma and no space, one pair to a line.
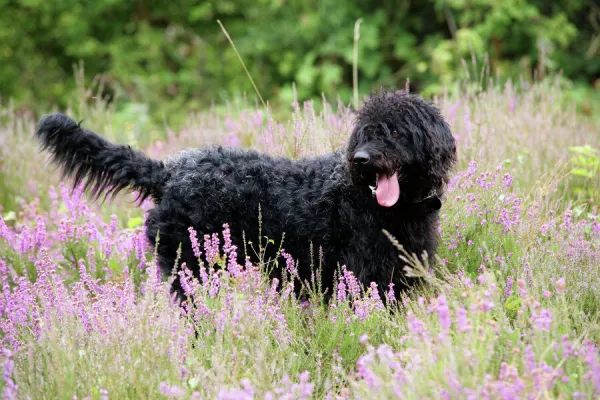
401,149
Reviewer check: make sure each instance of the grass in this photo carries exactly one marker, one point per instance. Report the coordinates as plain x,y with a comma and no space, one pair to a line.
509,311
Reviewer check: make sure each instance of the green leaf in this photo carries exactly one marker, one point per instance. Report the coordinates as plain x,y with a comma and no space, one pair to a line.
582,172
331,74
193,382
513,303
115,266
134,222
202,12
10,216
577,211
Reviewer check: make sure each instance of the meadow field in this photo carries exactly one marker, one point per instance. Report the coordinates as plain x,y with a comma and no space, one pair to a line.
510,309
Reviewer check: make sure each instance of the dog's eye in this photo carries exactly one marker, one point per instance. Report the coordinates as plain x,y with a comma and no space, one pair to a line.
395,132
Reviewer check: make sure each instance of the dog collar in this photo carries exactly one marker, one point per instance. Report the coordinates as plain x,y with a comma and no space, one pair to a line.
432,193
431,202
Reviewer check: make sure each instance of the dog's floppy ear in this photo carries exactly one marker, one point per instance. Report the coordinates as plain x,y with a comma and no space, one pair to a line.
442,151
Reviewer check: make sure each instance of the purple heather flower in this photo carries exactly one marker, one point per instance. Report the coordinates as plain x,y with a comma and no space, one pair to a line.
440,306
341,291
10,387
226,239
211,248
305,388
567,347
560,286
351,283
508,288
170,391
593,363
391,295
522,288
290,265
215,284
364,369
486,305
374,298
462,321
195,243
416,326
452,111
512,104
186,280
507,180
567,220
542,319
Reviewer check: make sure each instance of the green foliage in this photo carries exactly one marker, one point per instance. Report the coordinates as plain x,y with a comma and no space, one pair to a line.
176,57
512,305
135,222
585,161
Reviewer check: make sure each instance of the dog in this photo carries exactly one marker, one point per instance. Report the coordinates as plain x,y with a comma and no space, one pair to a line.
390,177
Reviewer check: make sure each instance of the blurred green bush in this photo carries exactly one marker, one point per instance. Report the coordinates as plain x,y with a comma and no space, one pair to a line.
173,55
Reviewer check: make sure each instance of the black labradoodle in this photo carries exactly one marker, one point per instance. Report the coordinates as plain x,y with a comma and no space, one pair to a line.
391,176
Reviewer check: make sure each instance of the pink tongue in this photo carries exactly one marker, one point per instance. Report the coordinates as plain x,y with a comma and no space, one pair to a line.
388,190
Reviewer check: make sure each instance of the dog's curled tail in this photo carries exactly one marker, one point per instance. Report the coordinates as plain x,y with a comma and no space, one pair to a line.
102,166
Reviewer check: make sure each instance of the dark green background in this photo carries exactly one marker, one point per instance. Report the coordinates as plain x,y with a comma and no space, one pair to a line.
172,55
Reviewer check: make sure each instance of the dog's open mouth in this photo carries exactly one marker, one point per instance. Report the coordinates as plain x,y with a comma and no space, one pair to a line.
386,189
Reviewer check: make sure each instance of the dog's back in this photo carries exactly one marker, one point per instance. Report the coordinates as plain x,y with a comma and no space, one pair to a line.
216,185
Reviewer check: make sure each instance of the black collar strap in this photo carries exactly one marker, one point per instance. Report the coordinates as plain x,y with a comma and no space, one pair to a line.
430,203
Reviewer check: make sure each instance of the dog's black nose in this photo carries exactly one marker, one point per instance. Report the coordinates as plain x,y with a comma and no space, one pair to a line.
361,157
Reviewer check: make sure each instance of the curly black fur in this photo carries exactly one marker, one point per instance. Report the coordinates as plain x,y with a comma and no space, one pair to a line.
324,200
103,166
